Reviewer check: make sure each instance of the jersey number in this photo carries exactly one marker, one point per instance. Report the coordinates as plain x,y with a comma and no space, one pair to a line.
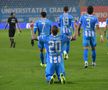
88,22
54,46
65,21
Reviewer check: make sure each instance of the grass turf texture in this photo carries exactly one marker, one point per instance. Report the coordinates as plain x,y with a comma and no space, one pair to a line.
20,67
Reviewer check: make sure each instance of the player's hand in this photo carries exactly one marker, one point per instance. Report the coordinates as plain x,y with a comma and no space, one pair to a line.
73,38
32,42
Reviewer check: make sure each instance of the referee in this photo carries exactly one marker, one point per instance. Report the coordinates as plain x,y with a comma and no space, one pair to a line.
12,21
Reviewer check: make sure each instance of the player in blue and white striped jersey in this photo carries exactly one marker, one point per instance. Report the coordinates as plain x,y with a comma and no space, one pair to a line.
88,22
54,46
65,23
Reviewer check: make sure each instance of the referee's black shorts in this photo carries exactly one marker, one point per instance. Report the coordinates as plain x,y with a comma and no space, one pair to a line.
12,32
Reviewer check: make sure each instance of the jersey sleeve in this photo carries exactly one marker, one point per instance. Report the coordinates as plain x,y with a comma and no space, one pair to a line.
35,26
16,20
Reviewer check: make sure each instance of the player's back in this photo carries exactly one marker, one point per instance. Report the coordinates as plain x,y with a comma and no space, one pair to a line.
54,46
44,26
88,24
65,22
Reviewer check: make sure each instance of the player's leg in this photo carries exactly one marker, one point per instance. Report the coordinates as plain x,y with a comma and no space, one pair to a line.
67,49
85,52
14,43
93,56
65,54
93,45
11,36
41,46
60,71
49,72
41,57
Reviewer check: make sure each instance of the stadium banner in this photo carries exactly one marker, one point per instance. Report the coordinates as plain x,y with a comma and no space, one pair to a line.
27,10
100,11
28,14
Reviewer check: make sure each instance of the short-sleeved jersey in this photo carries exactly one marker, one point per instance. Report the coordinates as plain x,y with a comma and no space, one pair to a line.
54,44
88,23
43,26
12,22
107,21
65,23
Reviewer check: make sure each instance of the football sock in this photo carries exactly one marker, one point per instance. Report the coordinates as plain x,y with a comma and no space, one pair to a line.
12,42
93,55
42,57
85,55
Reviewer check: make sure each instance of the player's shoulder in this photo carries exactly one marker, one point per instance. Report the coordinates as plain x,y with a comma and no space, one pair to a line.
48,20
83,16
70,15
94,16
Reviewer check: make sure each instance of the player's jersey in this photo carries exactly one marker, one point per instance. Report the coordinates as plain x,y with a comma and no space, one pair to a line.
43,26
12,22
65,23
88,23
54,45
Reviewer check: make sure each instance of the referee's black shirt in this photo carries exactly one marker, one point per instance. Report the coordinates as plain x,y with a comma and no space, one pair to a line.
12,22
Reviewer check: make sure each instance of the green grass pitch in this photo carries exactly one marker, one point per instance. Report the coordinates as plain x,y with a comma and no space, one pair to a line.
20,67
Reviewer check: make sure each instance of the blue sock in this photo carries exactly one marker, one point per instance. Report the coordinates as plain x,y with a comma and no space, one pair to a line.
85,55
42,57
94,55
68,46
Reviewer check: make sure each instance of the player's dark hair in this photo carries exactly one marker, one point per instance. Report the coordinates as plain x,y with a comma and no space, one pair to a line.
54,30
90,9
66,9
43,14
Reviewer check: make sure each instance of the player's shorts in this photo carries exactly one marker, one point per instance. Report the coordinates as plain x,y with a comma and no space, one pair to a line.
11,32
89,41
52,67
41,45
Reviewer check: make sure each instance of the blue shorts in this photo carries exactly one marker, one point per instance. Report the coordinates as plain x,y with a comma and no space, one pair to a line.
41,45
52,67
89,41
